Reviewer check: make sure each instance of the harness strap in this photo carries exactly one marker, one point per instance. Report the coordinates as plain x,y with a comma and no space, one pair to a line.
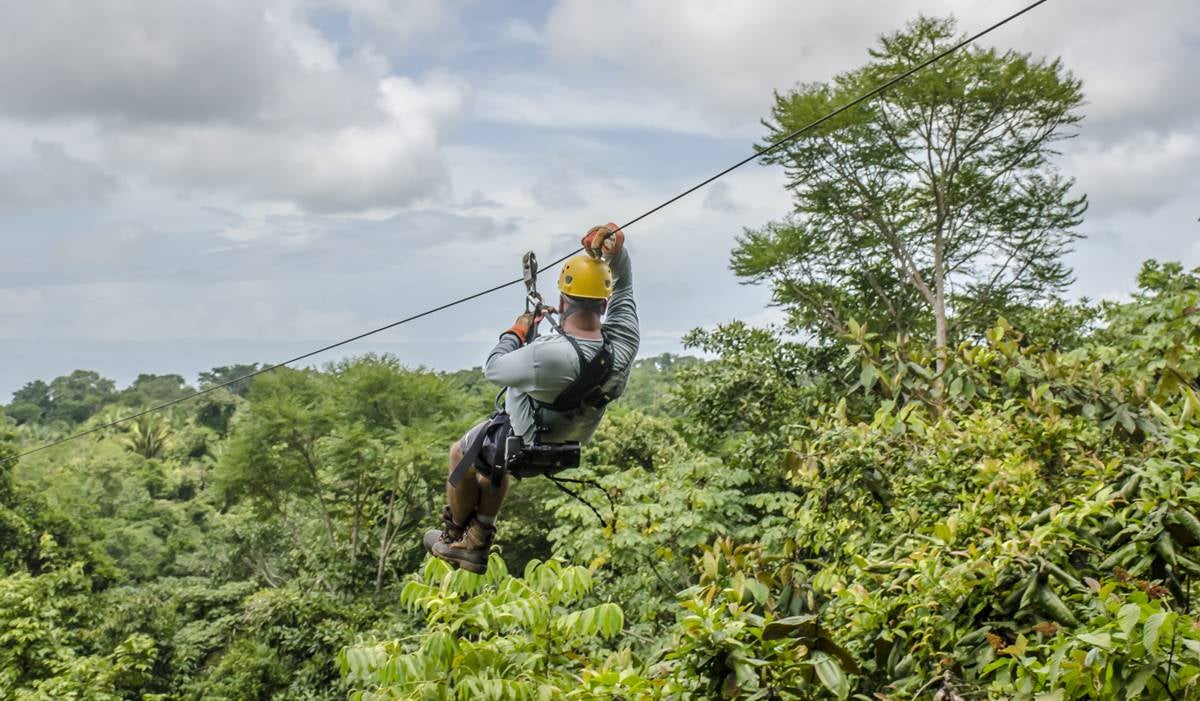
574,344
587,387
469,458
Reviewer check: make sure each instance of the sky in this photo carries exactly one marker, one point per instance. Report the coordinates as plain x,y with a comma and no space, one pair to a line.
189,184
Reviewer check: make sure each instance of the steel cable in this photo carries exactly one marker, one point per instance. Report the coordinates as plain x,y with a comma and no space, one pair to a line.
792,136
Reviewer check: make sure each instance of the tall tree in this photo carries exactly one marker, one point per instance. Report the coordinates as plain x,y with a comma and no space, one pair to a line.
346,462
933,202
150,389
31,402
77,396
228,373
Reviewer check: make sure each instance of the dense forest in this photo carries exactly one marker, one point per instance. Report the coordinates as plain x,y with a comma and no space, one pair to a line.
1023,521
938,479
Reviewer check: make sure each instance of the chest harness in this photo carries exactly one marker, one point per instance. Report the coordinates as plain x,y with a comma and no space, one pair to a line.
495,450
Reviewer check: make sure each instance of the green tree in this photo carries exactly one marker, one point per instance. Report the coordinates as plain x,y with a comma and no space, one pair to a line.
347,462
149,390
148,436
31,402
227,373
935,200
76,397
652,381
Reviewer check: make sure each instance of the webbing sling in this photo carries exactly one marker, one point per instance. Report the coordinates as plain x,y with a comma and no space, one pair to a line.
501,420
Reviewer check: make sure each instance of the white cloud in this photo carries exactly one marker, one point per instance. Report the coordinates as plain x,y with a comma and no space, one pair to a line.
519,31
389,160
720,198
21,304
242,98
725,59
571,182
549,103
49,177
1142,170
142,60
400,27
718,57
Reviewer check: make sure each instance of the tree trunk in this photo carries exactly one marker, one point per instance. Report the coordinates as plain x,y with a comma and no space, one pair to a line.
939,309
359,498
316,479
385,544
939,318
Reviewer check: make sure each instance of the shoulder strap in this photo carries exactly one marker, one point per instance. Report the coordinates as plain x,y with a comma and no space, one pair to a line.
574,344
588,386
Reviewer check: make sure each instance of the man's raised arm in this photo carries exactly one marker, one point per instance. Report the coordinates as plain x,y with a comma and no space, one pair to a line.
621,320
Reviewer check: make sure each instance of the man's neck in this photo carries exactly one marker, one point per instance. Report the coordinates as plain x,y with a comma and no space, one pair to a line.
582,325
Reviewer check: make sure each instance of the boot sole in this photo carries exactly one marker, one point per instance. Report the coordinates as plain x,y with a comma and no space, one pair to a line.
468,565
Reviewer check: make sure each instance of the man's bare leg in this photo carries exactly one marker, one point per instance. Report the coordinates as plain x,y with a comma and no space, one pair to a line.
468,548
463,499
490,498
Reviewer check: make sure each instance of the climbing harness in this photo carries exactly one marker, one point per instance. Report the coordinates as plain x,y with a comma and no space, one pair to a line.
495,450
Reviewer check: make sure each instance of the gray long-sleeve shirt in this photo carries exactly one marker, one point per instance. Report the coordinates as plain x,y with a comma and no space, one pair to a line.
544,368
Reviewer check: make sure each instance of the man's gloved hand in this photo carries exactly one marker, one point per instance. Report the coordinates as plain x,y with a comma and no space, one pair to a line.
522,326
604,240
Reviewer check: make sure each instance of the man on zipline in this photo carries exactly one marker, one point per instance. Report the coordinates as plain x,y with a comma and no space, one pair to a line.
557,389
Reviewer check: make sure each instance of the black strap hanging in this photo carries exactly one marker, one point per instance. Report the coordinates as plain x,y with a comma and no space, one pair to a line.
612,507
498,427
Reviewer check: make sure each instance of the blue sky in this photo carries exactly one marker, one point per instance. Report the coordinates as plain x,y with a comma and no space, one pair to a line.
185,185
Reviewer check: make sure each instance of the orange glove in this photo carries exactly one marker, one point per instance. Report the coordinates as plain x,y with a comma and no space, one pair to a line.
522,326
604,240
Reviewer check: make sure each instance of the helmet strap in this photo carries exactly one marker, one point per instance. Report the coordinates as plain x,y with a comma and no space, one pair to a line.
568,310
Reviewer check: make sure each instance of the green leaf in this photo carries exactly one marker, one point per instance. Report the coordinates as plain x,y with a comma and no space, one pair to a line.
868,376
1151,630
1128,616
800,626
831,675
758,590
1135,686
825,644
1100,640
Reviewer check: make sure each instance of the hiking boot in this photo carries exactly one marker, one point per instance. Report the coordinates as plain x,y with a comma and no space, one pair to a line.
469,552
450,532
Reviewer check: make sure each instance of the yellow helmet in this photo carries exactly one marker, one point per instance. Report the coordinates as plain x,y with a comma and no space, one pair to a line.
586,277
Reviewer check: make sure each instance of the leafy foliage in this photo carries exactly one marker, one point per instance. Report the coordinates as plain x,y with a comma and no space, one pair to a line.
1011,511
790,523
937,199
495,637
354,453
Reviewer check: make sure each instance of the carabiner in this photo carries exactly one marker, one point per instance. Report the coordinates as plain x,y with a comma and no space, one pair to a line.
529,266
533,298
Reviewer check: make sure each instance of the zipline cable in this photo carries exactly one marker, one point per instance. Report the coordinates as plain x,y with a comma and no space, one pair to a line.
874,92
792,136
